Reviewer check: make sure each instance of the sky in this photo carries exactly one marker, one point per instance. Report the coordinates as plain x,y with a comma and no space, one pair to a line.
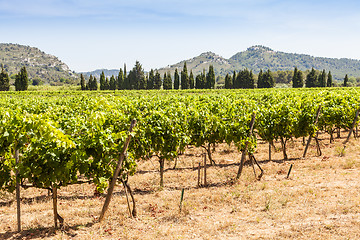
96,34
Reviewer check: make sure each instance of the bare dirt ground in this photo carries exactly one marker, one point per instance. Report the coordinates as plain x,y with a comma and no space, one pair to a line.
320,200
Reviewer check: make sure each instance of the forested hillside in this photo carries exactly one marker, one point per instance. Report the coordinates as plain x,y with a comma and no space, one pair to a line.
39,65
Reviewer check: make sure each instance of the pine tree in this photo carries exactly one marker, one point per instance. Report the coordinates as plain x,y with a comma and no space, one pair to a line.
112,83
322,79
191,80
311,79
346,81
4,80
102,81
167,84
120,80
21,80
233,79
137,79
184,78
82,82
157,81
329,80
151,80
228,81
239,80
210,78
176,80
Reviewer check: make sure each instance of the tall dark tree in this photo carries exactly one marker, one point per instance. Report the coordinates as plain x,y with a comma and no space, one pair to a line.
346,81
200,80
137,77
21,80
92,84
322,79
157,81
82,82
4,80
329,80
210,78
228,81
184,78
107,83
102,81
112,83
311,79
191,80
167,83
127,84
120,80
151,80
297,80
250,83
260,82
176,80
266,80
234,79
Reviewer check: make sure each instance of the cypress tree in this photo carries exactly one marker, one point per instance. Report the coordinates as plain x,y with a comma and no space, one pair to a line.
260,83
210,78
184,78
4,80
234,79
120,80
107,84
102,81
21,80
295,81
266,80
151,80
176,80
94,84
311,79
322,79
239,81
250,80
157,81
167,84
346,81
228,81
112,83
191,80
82,82
300,79
329,80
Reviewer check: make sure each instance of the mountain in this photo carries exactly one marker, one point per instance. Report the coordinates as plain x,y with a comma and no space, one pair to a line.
39,65
261,57
107,72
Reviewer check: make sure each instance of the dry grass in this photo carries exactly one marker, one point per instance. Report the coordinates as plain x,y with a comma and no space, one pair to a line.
320,200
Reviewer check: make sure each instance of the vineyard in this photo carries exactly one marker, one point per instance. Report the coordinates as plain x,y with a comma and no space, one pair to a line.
54,140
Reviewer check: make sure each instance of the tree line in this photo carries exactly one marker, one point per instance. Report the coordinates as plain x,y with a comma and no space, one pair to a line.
137,80
21,80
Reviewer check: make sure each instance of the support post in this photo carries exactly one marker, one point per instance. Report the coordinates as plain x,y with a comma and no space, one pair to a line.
309,140
18,209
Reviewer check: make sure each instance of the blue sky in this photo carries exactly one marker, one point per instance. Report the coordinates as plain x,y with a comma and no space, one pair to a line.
93,34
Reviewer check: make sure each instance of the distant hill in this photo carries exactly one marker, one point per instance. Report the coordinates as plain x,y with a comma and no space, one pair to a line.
38,64
260,57
107,72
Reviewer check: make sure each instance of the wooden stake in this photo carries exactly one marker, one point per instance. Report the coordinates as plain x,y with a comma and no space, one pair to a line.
18,210
54,196
181,199
116,173
205,182
127,198
199,175
269,151
289,171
